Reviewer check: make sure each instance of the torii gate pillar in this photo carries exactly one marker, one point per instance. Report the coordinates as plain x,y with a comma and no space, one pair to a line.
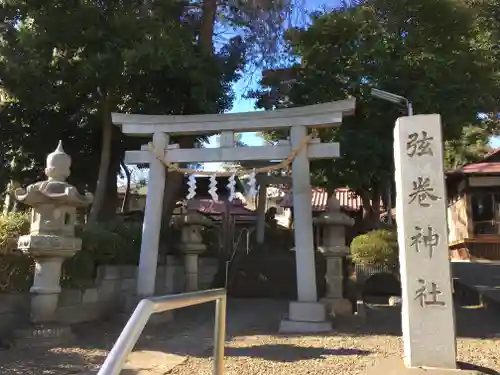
306,314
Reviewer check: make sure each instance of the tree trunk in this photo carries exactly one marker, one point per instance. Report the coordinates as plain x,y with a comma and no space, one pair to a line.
126,196
371,209
7,200
209,10
111,205
107,137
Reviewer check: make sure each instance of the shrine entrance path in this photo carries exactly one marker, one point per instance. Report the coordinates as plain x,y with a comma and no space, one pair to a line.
183,346
480,278
161,347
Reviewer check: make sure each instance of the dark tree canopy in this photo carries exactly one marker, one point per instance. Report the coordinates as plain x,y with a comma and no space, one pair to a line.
430,51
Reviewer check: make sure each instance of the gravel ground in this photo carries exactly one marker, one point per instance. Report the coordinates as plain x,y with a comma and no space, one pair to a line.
351,349
252,348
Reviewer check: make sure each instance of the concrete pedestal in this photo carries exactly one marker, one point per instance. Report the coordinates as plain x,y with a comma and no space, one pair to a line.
306,317
396,366
190,272
46,290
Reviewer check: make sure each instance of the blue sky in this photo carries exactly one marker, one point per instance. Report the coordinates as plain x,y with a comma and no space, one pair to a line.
248,105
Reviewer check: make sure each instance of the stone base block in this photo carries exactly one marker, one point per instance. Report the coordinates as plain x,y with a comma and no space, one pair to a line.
293,326
43,335
396,366
337,306
307,312
306,317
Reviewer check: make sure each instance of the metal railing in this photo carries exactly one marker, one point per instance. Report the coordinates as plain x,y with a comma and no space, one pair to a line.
128,338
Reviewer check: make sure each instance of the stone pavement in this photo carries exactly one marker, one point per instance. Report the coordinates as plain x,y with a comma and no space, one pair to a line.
482,278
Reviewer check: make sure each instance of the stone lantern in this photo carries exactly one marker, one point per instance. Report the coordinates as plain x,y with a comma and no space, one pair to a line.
51,239
191,223
333,247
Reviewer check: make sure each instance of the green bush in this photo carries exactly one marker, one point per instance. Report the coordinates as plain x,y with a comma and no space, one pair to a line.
378,247
115,243
111,243
11,227
16,269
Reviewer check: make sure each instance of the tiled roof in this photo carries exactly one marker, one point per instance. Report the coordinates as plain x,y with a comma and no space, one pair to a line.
484,166
347,198
210,207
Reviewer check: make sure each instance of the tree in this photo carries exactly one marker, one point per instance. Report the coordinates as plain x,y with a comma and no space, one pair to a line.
429,51
73,64
470,147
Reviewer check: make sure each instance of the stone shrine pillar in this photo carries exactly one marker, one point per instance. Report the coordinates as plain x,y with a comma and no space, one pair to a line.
306,314
333,247
191,224
428,317
52,237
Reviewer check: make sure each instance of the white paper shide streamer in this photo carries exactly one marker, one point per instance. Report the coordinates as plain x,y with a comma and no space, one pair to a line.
231,187
192,186
252,183
213,188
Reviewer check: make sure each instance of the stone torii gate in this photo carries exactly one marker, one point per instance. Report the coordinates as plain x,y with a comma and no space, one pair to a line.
306,315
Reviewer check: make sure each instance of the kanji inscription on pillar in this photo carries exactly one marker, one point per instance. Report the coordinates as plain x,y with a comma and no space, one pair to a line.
419,144
423,247
428,294
425,239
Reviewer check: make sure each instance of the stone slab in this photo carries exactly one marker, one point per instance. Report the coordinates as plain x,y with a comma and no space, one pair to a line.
427,313
70,297
108,272
81,313
294,326
396,366
90,295
307,312
108,290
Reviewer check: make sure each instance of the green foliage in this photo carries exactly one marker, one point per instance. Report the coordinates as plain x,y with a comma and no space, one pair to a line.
115,243
11,227
16,270
66,66
471,147
435,53
16,273
378,247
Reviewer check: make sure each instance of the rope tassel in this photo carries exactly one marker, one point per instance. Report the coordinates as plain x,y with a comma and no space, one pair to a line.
192,186
231,186
252,182
213,188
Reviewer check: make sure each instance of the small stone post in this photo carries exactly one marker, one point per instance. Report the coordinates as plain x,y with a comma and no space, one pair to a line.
333,248
191,224
51,239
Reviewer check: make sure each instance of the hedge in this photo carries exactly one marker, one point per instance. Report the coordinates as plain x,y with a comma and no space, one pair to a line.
378,247
106,243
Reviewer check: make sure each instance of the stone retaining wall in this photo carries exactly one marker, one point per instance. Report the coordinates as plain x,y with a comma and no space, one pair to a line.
113,285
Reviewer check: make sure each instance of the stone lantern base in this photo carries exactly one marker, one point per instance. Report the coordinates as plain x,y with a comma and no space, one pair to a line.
337,307
36,335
